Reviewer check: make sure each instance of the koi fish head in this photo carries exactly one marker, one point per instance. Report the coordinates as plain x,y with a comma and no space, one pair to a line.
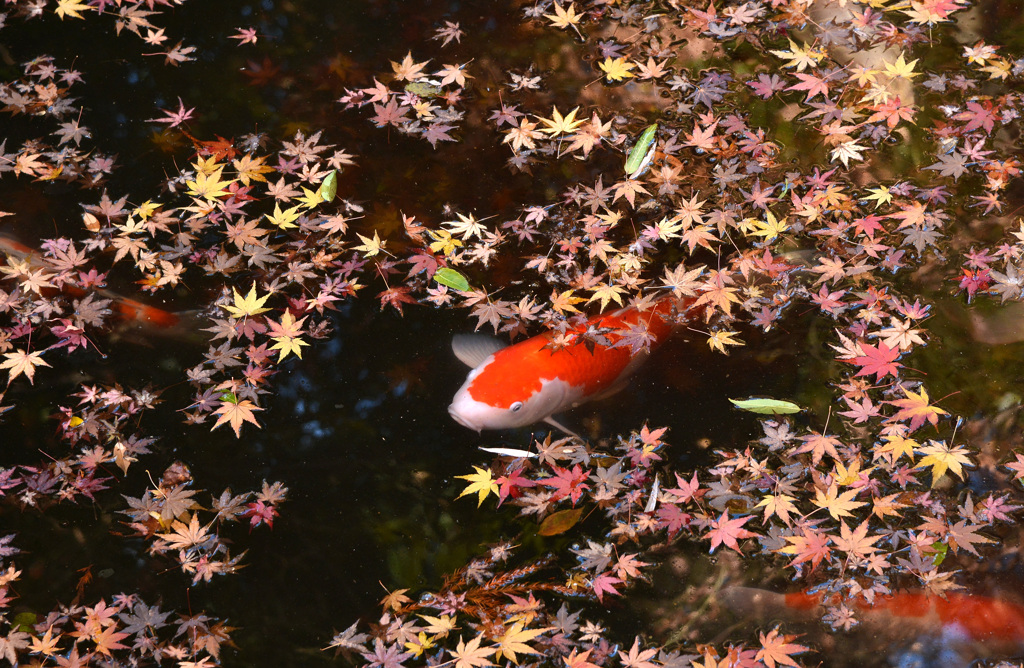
507,387
513,409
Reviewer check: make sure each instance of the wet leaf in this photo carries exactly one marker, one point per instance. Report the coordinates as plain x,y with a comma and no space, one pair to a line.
560,522
329,186
642,150
452,279
766,406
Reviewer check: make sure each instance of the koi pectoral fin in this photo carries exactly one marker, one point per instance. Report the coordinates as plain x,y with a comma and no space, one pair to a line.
473,349
555,423
613,389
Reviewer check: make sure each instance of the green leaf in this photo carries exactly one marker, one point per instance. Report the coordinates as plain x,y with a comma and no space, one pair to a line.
766,406
424,89
452,279
639,157
941,549
329,186
24,621
560,522
229,397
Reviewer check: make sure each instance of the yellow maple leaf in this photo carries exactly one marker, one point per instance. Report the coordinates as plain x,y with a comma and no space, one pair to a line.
146,209
558,124
370,247
617,69
837,505
284,219
288,344
250,305
941,458
310,198
483,484
420,645
770,228
563,303
778,504
719,340
895,447
514,640
847,476
565,18
439,626
901,68
209,186
251,168
800,58
444,242
607,291
207,165
880,195
71,8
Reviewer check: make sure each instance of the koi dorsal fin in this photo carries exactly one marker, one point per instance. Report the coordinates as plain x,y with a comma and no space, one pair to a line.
473,349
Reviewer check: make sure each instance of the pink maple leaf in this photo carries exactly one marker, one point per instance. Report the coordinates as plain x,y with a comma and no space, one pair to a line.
605,583
175,118
567,483
725,531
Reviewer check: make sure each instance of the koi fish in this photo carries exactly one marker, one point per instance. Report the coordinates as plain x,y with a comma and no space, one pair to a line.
997,625
530,381
128,310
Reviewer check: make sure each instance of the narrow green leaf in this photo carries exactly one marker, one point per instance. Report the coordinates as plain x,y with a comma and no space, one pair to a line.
766,406
329,186
452,279
639,156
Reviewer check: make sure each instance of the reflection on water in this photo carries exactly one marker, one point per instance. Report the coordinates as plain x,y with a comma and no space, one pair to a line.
908,628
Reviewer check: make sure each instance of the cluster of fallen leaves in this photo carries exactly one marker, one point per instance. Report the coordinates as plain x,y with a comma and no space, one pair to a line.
873,499
100,430
125,630
723,212
134,16
45,90
492,613
169,516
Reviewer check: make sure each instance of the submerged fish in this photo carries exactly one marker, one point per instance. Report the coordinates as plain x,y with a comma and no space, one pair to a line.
529,381
975,625
129,311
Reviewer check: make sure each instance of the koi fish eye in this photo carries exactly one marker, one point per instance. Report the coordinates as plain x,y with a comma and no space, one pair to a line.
516,406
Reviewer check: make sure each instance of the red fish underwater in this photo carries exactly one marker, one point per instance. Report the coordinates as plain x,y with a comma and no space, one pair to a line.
970,624
129,311
530,381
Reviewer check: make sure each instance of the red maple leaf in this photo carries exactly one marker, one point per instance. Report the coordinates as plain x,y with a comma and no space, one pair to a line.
510,484
567,483
396,297
879,360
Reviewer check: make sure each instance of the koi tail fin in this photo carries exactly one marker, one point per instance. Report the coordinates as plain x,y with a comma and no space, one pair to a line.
761,604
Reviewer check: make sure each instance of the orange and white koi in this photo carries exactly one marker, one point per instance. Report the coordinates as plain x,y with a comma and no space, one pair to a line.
128,310
532,380
995,623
